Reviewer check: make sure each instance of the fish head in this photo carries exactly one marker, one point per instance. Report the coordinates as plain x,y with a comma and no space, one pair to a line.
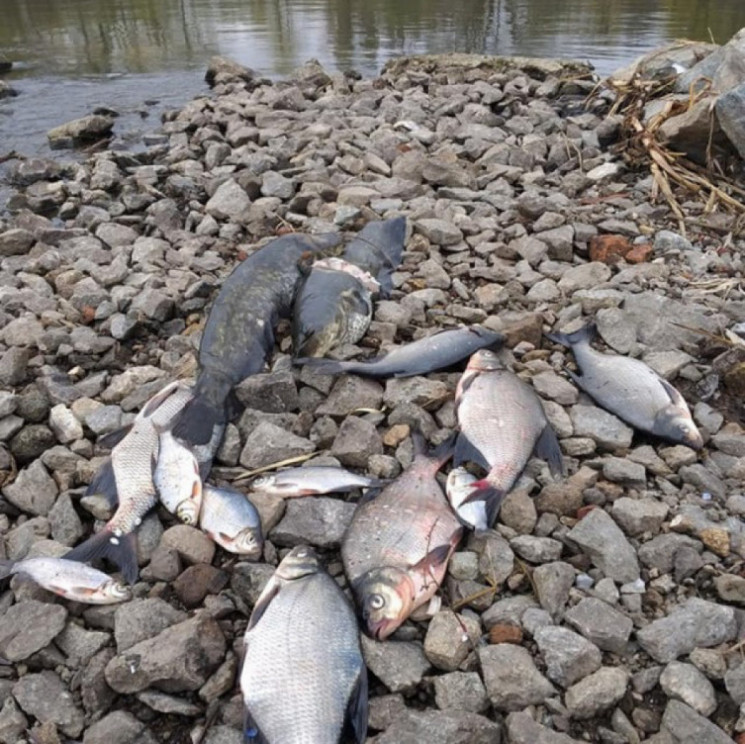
249,543
459,485
676,425
263,482
386,597
188,511
115,591
301,561
484,361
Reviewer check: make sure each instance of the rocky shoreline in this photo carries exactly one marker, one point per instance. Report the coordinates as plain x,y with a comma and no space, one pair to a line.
603,608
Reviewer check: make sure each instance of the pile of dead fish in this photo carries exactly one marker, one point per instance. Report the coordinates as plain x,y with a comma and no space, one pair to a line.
395,552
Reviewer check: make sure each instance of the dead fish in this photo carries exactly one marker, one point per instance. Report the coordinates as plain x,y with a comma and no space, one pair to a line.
303,678
238,336
501,423
631,389
398,544
176,478
460,485
334,300
133,462
311,481
69,579
231,520
427,354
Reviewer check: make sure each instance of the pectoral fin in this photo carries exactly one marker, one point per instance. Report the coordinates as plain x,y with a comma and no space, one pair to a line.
354,730
433,560
547,448
262,603
466,451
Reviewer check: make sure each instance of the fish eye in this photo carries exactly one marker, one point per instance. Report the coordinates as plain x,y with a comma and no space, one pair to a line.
376,601
302,553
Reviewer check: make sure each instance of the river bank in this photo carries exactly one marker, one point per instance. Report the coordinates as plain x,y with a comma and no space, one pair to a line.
617,614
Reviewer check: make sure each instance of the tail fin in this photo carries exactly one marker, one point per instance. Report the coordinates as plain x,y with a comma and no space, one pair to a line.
485,491
104,483
104,544
322,366
196,421
6,568
582,336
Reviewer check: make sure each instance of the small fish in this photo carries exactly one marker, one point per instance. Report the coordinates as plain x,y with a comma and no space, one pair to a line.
133,462
177,479
238,336
69,579
427,354
501,423
232,521
396,549
312,481
460,485
303,678
631,389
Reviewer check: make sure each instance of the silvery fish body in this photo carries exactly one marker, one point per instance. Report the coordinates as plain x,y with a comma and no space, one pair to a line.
501,423
177,478
69,579
303,678
460,485
632,390
312,480
232,521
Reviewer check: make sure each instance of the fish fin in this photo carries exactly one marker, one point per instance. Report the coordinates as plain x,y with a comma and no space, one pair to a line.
675,397
251,732
120,550
262,603
580,336
322,366
575,378
113,438
378,484
104,483
6,567
371,493
466,451
354,730
547,448
196,421
158,399
437,556
485,491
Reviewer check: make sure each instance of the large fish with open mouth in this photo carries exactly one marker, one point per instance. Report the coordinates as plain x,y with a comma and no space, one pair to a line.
396,549
312,481
631,389
303,678
238,336
501,422
334,301
436,351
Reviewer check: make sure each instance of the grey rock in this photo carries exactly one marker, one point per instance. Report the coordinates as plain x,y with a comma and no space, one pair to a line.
584,276
192,545
45,697
79,644
64,424
639,515
622,470
596,693
179,658
28,627
660,551
496,559
356,442
600,426
729,108
16,242
140,619
33,491
553,582
695,623
269,443
8,403
249,579
104,420
118,727
66,526
601,624
32,442
550,385
229,202
13,365
440,727
709,661
420,391
275,184
685,682
439,232
688,727
79,131
508,610
730,588
349,394
512,679
522,729
399,665
569,657
12,722
734,681
460,691
274,393
316,521
223,69
449,639
603,541
536,549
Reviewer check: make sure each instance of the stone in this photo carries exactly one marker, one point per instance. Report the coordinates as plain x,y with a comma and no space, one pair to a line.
118,727
695,623
536,549
351,393
223,69
421,391
268,443
440,727
659,552
80,131
460,691
728,109
596,693
734,681
12,722
196,582
601,624
639,515
399,665
28,627
607,547
229,202
522,729
192,545
79,644
584,276
622,470
512,680
730,588
449,639
45,697
140,619
318,521
356,442
439,232
180,658
66,526
64,424
33,490
13,365
602,427
16,242
688,727
569,657
553,582
685,682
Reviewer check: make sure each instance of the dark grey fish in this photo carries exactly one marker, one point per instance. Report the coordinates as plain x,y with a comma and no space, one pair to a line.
239,334
303,678
631,389
334,305
427,354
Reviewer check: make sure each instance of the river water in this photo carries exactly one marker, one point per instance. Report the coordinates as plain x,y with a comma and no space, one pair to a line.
141,56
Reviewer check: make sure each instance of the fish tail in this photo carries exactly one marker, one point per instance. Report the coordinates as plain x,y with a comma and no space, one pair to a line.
6,568
121,550
197,420
104,484
322,366
582,336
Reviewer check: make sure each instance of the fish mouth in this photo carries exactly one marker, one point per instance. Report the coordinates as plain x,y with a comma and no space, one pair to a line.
381,629
694,440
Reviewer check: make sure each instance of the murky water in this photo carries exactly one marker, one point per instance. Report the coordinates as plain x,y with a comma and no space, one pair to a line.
74,55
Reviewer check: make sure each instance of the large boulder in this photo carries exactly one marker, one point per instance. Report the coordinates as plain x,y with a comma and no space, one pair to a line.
80,131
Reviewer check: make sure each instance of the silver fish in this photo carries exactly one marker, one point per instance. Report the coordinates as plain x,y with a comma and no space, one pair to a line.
311,481
458,487
501,422
232,521
303,678
396,549
177,479
631,389
424,355
69,579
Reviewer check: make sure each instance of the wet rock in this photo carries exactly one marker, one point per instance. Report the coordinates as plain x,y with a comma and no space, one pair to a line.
140,619
179,658
317,521
596,693
28,627
685,682
33,491
695,623
118,727
460,691
80,131
601,624
223,69
511,678
569,657
688,727
399,665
